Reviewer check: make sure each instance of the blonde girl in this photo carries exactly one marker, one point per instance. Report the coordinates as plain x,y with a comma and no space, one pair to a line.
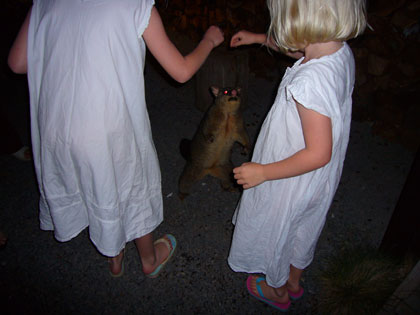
298,157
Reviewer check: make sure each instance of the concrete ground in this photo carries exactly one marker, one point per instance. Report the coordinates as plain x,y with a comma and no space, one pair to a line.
39,275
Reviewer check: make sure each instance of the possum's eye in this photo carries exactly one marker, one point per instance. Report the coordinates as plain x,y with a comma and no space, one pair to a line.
225,92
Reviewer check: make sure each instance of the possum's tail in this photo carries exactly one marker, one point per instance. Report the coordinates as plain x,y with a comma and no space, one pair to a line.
184,148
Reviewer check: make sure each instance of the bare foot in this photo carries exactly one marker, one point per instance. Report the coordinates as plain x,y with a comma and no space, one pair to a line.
115,264
274,294
162,251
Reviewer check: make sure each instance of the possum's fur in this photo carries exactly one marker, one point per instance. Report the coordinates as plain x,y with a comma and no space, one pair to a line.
210,149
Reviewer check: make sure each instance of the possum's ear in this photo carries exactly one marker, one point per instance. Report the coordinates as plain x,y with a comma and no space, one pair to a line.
238,89
215,90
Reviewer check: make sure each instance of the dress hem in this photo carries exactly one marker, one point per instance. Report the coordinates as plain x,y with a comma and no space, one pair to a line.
128,239
239,269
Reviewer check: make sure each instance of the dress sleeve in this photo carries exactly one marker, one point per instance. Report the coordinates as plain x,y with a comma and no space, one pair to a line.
314,89
143,15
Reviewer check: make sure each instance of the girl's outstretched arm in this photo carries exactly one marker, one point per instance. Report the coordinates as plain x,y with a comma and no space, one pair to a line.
179,67
248,38
317,132
17,59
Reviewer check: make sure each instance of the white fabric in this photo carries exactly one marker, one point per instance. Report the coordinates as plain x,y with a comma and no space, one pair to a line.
279,222
94,156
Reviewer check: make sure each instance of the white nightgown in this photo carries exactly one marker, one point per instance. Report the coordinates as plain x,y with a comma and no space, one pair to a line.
279,222
95,160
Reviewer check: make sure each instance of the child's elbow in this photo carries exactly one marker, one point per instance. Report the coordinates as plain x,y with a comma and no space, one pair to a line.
325,161
320,157
324,158
16,66
181,79
182,76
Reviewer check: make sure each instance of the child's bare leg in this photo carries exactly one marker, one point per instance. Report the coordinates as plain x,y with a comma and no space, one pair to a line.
151,255
294,279
275,294
115,263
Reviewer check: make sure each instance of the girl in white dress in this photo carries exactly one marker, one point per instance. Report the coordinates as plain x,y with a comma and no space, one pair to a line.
300,150
94,156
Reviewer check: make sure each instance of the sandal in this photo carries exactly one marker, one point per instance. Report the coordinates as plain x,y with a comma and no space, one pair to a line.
170,241
296,295
283,307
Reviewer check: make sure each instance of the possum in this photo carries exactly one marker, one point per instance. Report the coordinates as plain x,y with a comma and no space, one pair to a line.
209,151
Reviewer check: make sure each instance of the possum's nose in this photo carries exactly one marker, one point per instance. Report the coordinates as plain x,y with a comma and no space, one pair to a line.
233,93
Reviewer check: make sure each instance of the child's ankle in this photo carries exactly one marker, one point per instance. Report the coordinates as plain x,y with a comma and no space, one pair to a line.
281,292
294,287
148,264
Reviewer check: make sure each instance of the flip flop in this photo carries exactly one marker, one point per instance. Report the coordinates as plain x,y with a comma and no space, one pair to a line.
284,307
296,295
164,240
113,275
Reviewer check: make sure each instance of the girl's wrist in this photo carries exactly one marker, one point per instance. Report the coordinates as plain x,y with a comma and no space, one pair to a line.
264,171
208,41
261,38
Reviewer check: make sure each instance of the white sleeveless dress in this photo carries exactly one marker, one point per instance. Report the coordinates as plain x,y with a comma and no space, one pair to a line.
95,160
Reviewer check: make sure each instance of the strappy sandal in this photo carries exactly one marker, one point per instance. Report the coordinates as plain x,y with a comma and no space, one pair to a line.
171,246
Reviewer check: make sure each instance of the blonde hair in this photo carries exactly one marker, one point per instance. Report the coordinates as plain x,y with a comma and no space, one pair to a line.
297,23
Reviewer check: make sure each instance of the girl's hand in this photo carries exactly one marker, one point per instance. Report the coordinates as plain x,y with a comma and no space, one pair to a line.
181,68
215,35
242,38
249,174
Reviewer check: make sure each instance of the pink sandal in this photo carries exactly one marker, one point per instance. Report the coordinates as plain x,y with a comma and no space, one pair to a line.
284,307
296,295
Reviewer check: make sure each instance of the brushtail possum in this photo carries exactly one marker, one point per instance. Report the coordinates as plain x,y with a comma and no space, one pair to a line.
209,151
